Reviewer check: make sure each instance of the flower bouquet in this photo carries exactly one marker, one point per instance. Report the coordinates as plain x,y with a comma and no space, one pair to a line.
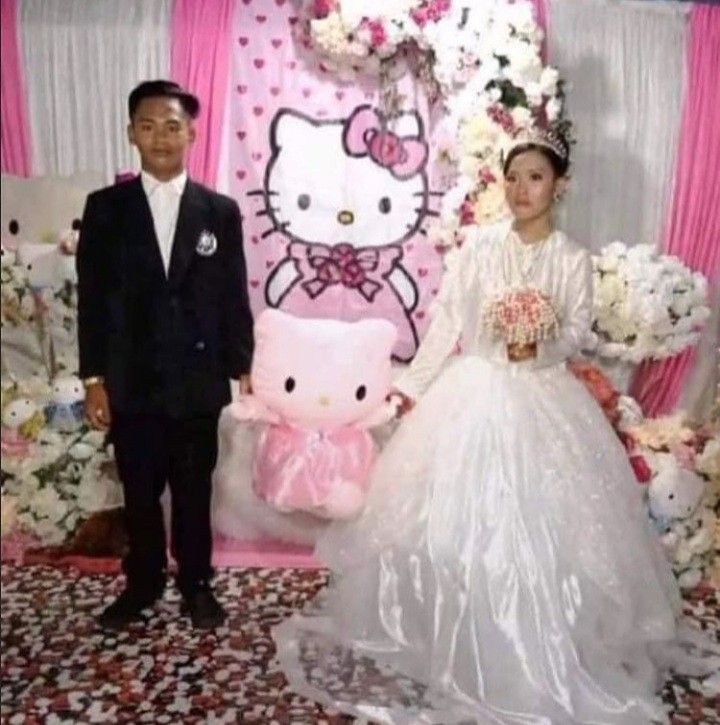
521,317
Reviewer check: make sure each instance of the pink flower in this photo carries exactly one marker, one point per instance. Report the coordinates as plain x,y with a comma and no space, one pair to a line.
502,116
640,467
420,16
322,8
378,36
430,12
486,176
467,213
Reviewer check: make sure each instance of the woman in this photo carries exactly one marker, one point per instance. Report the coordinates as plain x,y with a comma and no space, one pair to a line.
504,570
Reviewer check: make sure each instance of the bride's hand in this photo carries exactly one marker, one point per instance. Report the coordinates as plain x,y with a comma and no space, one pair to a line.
404,403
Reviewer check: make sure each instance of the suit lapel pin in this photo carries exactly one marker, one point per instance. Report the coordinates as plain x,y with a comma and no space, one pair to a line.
207,244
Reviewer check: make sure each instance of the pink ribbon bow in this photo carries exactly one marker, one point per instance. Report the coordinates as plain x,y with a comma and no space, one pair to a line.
365,135
361,269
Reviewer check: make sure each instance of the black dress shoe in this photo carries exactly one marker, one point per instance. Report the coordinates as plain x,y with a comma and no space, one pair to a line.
204,610
127,608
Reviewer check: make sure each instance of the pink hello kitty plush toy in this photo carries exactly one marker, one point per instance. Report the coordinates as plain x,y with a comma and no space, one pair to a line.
319,385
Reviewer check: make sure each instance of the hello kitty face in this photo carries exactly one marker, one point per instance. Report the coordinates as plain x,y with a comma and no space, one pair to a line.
321,374
347,181
68,390
18,412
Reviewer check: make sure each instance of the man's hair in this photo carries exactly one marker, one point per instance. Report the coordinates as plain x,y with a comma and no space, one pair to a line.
164,89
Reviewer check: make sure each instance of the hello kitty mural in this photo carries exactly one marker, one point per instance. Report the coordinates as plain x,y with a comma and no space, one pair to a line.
346,194
302,148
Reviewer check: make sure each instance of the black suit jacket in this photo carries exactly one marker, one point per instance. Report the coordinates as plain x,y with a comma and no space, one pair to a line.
163,344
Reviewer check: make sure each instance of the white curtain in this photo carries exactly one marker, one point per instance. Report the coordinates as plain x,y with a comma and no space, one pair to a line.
82,58
625,66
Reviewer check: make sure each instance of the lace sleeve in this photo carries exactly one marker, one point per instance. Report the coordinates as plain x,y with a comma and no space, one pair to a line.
447,322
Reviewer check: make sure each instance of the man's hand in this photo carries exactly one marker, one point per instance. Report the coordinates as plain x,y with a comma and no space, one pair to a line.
517,352
244,385
405,404
97,406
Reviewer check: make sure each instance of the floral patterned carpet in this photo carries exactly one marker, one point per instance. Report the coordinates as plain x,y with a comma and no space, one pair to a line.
58,667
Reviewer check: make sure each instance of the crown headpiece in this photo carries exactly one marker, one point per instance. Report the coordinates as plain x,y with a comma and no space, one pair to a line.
550,138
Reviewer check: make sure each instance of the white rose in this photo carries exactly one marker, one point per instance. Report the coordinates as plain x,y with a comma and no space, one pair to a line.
520,16
48,531
708,462
552,109
95,438
548,80
47,504
82,451
606,263
521,116
616,249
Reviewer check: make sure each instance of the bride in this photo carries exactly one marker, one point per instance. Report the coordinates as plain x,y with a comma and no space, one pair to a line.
504,570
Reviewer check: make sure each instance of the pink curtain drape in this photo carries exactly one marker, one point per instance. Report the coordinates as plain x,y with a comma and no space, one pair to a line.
200,57
542,17
15,151
693,228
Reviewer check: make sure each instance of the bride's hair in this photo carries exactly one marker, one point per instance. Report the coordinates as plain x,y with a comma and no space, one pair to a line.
551,144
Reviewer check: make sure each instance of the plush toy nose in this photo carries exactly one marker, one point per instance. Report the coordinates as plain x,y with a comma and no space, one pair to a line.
345,217
324,401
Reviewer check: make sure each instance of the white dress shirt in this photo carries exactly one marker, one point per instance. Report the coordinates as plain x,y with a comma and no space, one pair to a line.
164,200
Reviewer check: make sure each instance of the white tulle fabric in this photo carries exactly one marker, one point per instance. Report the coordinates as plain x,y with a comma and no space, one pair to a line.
504,570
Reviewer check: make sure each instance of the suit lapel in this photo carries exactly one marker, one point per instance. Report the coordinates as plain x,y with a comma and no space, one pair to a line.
187,232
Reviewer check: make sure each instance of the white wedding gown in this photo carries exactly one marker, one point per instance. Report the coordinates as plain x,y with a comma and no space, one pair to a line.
504,570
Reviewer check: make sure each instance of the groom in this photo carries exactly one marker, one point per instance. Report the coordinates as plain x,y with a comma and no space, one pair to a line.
164,323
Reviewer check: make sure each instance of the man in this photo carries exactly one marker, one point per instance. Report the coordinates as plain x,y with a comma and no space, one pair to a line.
164,323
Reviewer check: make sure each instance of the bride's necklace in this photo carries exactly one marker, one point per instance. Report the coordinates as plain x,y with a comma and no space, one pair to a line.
521,260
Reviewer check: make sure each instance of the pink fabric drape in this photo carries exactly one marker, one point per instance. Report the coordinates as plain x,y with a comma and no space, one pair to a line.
693,229
15,152
542,17
200,57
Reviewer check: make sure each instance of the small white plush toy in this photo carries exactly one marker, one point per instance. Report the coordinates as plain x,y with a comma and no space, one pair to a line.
22,420
65,410
673,495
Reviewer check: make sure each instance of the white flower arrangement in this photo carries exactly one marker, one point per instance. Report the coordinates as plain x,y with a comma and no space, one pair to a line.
646,304
63,479
46,316
359,37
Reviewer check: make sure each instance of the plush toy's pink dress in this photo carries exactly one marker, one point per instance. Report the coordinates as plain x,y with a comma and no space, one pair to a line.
323,472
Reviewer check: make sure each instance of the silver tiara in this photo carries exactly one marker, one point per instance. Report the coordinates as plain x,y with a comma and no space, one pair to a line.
548,138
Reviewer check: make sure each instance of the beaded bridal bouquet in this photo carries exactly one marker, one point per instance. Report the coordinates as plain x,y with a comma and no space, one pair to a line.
522,316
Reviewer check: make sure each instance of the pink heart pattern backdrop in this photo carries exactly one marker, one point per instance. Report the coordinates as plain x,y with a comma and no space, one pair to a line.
334,214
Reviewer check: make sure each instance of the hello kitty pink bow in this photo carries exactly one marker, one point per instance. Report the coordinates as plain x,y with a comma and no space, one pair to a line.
365,134
361,269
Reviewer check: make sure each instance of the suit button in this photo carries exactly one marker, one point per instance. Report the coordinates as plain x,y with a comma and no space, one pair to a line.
199,345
